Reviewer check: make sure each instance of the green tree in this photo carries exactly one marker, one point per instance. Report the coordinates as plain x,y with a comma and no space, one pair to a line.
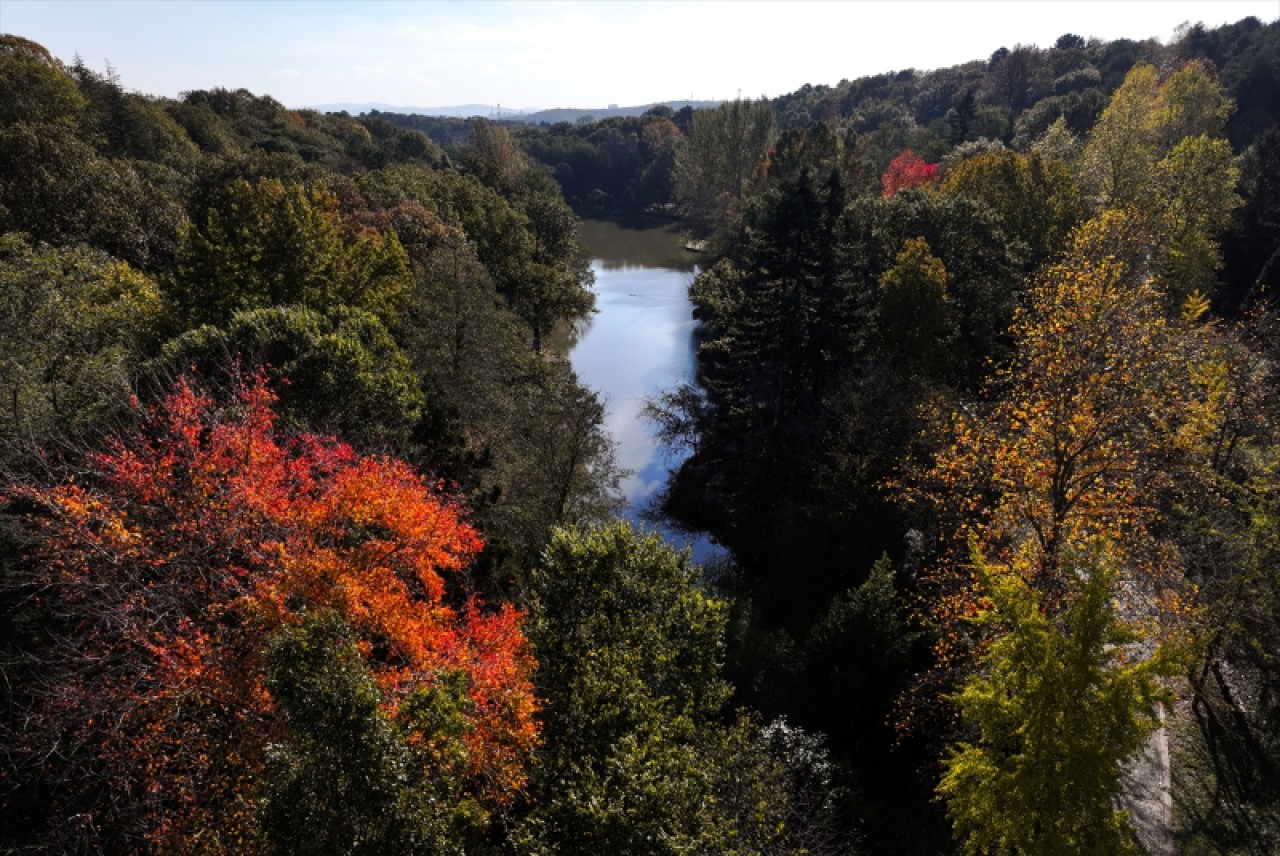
1193,103
630,649
57,188
1253,245
1172,165
1121,149
556,285
983,263
852,665
719,158
338,371
1057,705
76,324
492,154
528,241
273,244
555,462
1035,196
1195,194
349,778
126,125
495,227
516,430
635,759
913,317
33,85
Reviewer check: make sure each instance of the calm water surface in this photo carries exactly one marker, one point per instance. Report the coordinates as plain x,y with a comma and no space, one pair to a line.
638,344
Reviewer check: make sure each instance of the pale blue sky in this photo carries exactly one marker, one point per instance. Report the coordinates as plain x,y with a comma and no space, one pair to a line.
582,53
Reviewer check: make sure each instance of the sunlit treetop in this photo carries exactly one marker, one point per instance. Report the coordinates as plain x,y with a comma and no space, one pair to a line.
195,539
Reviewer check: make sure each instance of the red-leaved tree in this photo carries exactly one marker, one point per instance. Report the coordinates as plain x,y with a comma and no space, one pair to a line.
156,579
907,170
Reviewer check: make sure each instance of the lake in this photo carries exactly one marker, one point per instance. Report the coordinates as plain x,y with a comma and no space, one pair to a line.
638,344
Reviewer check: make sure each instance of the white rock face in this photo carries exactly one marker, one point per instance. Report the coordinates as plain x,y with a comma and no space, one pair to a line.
1147,793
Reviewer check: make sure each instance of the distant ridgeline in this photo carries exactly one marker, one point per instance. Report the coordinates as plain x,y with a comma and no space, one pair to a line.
452,125
551,117
496,111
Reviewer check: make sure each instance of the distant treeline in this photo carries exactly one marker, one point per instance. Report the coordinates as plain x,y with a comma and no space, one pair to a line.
1012,97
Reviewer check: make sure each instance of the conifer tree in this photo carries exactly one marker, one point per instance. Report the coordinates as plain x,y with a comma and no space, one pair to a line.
1057,705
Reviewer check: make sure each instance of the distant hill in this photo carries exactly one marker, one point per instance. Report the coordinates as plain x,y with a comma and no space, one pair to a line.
491,111
461,111
551,117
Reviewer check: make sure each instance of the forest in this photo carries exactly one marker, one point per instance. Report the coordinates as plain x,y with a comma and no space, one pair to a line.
309,539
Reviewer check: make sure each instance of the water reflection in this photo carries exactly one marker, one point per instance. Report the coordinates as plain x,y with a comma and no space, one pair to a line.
624,245
638,344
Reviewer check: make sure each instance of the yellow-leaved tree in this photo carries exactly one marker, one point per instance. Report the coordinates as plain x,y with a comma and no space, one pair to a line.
1049,496
1159,149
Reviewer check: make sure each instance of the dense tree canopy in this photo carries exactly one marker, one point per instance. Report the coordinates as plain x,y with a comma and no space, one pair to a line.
719,159
984,416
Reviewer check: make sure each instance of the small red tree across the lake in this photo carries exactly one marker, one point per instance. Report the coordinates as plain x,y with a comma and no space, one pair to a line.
161,574
905,171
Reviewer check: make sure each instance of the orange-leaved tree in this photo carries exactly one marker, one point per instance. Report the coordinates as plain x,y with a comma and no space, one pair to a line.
160,578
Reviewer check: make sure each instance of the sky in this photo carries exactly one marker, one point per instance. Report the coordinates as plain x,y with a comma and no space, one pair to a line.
530,54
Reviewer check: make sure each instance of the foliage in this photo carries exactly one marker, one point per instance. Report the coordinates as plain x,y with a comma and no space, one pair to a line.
494,226
1058,704
337,372
846,336
129,125
557,284
33,86
231,122
75,323
719,158
819,151
1067,451
619,163
528,243
1093,433
1227,744
907,170
351,778
1252,247
984,265
851,666
1035,196
656,639
492,154
783,329
1157,149
635,759
808,384
1121,148
629,650
271,244
512,427
57,188
1195,185
912,309
164,571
